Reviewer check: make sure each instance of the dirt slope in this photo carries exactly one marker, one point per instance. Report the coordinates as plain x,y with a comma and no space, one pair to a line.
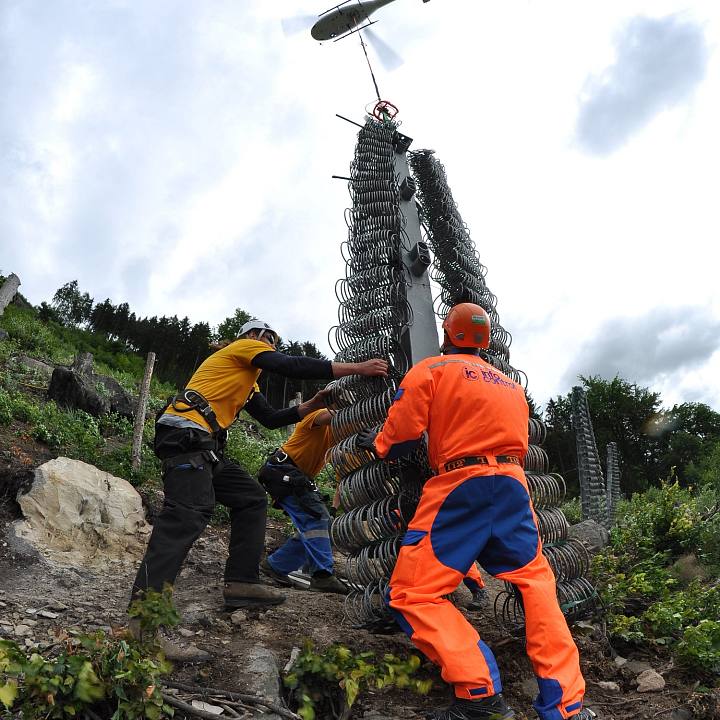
86,602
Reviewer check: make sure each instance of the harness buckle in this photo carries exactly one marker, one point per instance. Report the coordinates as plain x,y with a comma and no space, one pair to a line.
279,459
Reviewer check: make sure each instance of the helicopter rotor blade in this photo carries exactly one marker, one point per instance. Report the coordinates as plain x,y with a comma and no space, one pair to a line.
388,57
297,23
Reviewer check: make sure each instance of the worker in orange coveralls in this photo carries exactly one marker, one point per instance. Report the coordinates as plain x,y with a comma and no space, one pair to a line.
477,507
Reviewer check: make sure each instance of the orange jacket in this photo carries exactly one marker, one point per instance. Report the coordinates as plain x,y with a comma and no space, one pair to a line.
466,405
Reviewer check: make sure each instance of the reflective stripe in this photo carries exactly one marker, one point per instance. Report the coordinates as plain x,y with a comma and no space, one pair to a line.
308,534
492,666
462,362
181,422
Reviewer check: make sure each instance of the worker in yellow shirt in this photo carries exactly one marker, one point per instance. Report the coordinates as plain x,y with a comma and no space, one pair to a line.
190,437
288,476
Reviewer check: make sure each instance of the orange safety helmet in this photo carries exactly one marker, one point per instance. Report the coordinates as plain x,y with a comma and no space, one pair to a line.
467,325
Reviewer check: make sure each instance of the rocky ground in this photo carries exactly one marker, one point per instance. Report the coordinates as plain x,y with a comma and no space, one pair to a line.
41,601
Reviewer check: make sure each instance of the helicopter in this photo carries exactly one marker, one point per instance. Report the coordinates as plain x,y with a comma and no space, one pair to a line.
345,19
341,20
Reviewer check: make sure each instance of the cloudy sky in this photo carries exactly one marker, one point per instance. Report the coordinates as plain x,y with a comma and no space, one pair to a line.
177,155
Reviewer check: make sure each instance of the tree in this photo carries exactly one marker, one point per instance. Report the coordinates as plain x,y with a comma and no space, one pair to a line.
229,328
72,306
652,443
622,412
280,390
560,441
687,434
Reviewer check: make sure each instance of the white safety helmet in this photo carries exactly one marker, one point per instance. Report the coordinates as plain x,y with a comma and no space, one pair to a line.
259,325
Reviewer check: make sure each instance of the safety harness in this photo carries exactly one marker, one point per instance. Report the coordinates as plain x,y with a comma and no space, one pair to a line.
195,459
209,450
194,401
281,477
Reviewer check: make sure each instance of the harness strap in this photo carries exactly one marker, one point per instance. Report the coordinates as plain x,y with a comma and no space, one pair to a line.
195,401
195,459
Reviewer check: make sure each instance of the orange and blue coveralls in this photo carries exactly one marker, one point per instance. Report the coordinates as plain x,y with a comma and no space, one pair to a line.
475,512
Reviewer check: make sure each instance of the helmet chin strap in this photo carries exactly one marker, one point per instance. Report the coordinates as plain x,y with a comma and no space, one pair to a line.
447,348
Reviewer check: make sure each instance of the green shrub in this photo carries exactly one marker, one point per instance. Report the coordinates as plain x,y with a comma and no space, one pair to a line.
250,450
106,674
326,684
637,578
572,510
6,407
28,333
700,646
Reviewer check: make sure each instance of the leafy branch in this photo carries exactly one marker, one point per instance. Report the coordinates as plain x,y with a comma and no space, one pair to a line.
327,684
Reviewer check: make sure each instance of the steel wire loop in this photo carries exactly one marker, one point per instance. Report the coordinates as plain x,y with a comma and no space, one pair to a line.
546,490
552,524
569,559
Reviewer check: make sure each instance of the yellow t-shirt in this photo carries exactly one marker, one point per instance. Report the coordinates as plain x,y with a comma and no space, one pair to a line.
227,379
308,444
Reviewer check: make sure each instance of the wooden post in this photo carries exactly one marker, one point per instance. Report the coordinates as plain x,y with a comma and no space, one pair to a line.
8,291
297,400
140,412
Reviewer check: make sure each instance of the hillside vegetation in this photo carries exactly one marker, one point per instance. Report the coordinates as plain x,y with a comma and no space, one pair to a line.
658,579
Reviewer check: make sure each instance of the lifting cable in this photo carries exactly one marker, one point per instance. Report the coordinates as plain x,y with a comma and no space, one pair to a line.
372,74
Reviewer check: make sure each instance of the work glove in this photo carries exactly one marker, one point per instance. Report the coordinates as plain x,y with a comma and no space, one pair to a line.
366,440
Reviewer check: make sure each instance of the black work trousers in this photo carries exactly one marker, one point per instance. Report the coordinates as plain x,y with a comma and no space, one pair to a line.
193,482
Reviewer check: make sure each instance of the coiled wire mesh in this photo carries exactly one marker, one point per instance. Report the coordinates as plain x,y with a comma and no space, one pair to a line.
593,490
456,266
613,480
379,497
461,277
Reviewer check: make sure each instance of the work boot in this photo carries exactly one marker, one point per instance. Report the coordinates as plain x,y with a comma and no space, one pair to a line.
244,594
480,598
172,650
267,569
492,708
328,584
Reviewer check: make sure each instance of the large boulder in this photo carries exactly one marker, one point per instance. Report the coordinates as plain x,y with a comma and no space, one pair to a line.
591,534
31,365
79,388
78,516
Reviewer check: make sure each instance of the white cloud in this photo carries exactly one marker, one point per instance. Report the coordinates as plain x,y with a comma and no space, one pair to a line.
178,156
658,63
